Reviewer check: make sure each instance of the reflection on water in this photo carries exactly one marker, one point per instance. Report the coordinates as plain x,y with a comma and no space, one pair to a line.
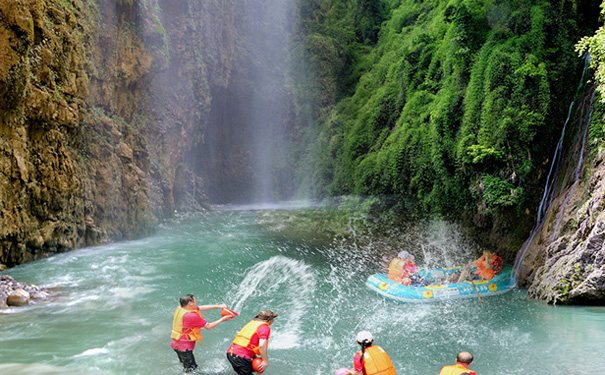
114,309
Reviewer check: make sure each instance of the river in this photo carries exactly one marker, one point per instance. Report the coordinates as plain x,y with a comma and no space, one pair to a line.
114,306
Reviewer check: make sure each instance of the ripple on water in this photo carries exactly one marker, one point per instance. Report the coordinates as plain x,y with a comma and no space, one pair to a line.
42,369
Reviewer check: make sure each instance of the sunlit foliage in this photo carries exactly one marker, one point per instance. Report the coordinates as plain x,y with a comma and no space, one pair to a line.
457,103
596,46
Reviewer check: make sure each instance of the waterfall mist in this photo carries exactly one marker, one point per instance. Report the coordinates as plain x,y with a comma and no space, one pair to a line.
245,154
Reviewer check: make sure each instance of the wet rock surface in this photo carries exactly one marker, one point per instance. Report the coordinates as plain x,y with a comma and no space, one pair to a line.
565,262
95,130
15,293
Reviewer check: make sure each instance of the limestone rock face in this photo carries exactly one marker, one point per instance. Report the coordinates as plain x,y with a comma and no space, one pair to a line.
101,102
565,259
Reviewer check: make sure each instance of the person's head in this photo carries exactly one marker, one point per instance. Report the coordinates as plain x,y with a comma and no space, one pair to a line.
266,315
406,256
464,358
187,299
364,338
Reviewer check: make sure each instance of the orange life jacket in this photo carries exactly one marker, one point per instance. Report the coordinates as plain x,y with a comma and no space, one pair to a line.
177,326
244,336
396,272
456,369
483,271
377,362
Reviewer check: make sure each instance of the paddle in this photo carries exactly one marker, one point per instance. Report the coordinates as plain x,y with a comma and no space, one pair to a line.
474,287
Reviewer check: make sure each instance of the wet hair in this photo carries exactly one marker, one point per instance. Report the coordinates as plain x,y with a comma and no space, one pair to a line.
266,315
185,299
464,357
364,344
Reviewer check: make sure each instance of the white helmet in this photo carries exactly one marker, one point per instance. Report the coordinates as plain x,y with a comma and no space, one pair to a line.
404,255
364,336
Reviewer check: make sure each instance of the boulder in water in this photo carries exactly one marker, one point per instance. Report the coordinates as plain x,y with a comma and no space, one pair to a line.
14,293
18,297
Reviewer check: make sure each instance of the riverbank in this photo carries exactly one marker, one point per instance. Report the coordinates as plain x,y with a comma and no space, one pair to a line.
15,293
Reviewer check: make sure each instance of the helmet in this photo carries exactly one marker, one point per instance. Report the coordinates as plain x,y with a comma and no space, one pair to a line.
404,255
364,336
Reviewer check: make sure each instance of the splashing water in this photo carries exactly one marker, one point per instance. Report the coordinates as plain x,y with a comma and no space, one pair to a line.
264,280
114,308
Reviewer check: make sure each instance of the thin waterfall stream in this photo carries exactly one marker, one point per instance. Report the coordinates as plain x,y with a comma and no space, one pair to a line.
585,107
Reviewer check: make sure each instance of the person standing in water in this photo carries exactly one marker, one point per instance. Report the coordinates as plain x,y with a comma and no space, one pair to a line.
252,340
187,323
370,360
463,361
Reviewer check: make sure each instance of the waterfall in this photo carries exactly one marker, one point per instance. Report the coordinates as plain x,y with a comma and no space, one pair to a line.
549,187
554,166
577,148
269,34
246,142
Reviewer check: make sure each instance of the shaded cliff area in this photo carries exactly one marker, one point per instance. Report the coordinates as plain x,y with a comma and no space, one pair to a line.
100,105
563,261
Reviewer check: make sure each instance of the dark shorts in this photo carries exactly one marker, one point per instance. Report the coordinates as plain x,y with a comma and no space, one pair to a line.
241,365
187,359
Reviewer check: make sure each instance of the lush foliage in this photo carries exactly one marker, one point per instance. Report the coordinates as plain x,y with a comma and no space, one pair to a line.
457,103
596,46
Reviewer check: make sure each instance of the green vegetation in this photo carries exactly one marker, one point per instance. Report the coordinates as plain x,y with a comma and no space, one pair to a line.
455,103
351,218
596,46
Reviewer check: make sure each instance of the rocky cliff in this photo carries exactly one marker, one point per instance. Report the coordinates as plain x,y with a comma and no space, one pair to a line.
100,104
563,261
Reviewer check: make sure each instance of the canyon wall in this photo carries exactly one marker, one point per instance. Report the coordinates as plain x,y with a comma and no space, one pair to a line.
100,105
563,260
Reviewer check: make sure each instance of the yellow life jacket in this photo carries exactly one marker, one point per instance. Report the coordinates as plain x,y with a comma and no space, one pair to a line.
396,272
456,369
177,326
377,362
244,336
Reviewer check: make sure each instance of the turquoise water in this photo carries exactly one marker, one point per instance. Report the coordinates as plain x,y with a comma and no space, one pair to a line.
114,310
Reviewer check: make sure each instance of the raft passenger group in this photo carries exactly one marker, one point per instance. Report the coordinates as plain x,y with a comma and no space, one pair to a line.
248,352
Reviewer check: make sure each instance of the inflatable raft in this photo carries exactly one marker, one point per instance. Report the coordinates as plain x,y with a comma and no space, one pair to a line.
439,291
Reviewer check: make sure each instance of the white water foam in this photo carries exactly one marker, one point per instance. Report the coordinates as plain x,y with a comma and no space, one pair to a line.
265,279
94,351
40,369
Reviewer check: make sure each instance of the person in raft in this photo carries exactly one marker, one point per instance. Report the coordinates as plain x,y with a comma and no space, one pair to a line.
402,267
370,360
187,323
484,268
252,340
463,362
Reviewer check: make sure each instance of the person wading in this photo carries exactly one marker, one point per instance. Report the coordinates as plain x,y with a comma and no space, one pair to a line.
251,341
370,360
463,361
187,323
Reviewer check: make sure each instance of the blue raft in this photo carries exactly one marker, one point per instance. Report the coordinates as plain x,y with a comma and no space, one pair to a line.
501,283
